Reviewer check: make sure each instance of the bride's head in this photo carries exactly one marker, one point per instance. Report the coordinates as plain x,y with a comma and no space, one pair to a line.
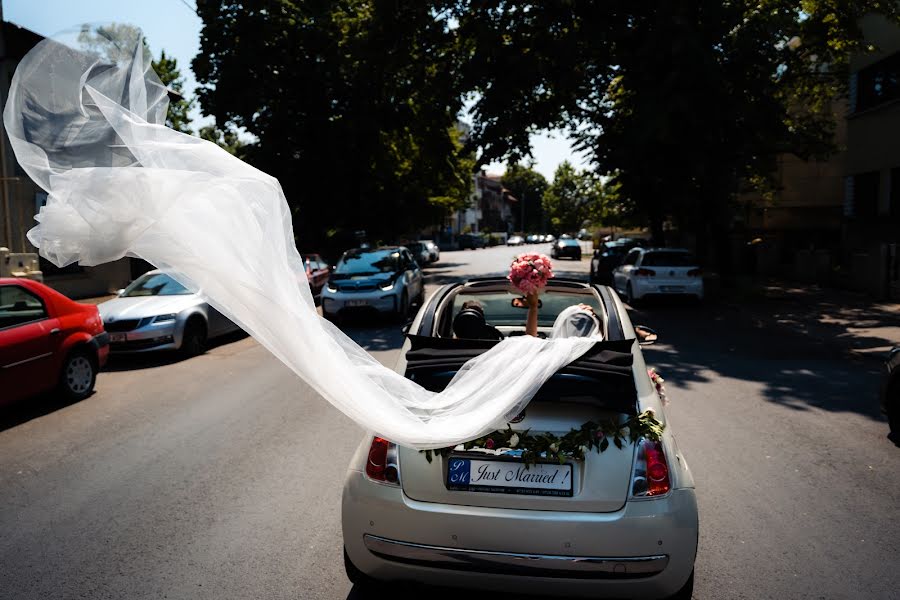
576,321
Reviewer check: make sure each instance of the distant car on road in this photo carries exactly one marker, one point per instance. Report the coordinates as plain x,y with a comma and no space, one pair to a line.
317,272
607,257
622,523
470,241
434,252
566,248
890,394
47,341
658,271
419,252
515,240
383,280
156,313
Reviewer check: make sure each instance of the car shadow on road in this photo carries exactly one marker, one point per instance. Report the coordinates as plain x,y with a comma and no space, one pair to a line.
150,360
795,369
25,410
398,591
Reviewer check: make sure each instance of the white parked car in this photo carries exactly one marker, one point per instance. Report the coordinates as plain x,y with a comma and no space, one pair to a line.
658,271
617,523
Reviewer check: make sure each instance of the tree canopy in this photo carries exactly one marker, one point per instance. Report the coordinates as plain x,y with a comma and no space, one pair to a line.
178,117
354,105
528,186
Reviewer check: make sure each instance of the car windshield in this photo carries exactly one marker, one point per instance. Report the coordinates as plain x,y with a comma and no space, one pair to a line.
669,259
499,311
155,284
368,262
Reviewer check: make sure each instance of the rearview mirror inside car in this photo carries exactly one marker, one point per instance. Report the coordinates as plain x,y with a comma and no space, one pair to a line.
523,303
645,335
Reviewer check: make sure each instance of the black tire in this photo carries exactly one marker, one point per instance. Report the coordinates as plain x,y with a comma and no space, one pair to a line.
686,591
629,294
420,299
893,411
403,307
357,577
78,375
193,342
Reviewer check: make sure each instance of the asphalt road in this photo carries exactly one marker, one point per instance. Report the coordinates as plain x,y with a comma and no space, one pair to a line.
220,476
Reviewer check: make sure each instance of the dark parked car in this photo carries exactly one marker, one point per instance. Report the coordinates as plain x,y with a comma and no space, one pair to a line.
890,394
608,257
47,341
566,248
471,241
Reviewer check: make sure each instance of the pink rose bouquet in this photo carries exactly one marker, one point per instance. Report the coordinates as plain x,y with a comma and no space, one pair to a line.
529,273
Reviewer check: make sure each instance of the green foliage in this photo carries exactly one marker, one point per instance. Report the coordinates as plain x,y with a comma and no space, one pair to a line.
573,199
167,69
528,186
678,102
353,105
227,139
571,446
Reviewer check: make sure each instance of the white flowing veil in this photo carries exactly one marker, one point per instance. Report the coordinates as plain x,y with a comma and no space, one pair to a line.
88,126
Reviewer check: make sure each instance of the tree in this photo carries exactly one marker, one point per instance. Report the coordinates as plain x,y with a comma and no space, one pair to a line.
353,105
679,102
227,139
572,199
528,186
167,69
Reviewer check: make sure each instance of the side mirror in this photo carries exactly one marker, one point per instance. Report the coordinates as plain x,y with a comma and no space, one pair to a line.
645,335
119,292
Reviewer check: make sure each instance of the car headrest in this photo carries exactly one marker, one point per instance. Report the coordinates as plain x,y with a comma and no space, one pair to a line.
469,324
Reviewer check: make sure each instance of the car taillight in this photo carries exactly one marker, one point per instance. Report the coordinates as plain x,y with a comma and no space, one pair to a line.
651,471
695,273
645,272
382,464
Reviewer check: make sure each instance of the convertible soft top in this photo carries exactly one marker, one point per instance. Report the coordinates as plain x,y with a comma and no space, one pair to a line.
604,373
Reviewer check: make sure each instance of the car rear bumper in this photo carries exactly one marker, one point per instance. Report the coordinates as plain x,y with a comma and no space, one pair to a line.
645,549
100,342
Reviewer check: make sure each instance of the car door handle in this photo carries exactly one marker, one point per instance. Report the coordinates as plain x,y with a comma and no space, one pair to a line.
54,331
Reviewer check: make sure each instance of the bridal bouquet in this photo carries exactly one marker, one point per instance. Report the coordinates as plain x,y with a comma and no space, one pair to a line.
529,272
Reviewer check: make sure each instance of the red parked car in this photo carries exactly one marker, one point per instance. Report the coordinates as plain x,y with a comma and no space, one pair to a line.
47,341
317,272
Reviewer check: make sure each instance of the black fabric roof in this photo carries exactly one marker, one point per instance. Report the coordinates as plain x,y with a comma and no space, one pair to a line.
603,372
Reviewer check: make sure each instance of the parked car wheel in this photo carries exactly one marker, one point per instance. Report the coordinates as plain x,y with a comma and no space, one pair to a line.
420,299
893,411
194,340
79,374
629,294
403,307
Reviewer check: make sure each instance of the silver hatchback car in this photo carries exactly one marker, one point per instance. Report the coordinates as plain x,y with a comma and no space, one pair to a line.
618,523
156,312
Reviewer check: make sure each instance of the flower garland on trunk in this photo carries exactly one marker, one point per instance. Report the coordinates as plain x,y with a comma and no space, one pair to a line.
571,446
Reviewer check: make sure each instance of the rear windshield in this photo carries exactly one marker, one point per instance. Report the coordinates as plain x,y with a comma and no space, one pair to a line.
498,308
368,263
669,259
568,242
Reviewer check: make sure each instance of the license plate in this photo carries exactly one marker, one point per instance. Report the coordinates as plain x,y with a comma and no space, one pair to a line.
117,338
671,288
509,477
357,302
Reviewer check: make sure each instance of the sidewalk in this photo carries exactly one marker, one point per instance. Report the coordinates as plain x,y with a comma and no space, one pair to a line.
850,320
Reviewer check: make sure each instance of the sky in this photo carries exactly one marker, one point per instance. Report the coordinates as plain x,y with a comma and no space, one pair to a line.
173,26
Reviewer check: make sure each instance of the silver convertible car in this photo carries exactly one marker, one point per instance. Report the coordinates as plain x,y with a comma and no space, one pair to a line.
621,523
156,312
